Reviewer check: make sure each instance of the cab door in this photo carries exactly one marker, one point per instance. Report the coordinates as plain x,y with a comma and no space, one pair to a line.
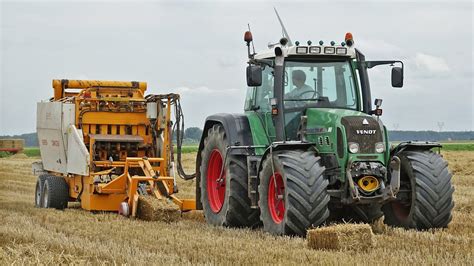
258,109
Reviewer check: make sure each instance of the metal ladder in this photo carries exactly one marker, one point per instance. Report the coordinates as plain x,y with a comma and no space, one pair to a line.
252,172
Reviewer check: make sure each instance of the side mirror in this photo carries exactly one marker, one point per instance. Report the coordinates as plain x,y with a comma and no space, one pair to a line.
397,77
254,76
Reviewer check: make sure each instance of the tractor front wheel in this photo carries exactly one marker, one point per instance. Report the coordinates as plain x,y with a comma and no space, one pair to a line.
425,199
224,186
292,193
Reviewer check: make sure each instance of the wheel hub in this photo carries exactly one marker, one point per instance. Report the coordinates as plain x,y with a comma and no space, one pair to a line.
276,202
215,181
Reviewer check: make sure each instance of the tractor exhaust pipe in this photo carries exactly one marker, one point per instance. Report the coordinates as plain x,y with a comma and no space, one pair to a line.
278,93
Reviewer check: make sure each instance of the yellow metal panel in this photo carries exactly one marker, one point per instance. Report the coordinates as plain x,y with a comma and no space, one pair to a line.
85,129
103,129
82,84
108,118
141,131
102,202
188,204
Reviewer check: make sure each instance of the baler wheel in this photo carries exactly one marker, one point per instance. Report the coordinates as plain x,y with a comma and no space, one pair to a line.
55,193
428,198
39,190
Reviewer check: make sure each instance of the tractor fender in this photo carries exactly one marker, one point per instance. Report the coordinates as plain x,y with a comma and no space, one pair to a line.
414,145
286,145
238,133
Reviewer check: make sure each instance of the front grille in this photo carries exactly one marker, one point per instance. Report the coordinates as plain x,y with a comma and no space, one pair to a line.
363,134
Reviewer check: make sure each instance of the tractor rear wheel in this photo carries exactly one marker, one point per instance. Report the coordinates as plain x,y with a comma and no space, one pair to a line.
224,186
39,190
55,193
292,193
425,199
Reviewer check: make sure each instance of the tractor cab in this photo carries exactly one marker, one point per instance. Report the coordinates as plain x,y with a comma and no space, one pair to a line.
313,76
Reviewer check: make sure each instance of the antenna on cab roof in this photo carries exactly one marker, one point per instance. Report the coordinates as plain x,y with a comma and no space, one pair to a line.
253,46
283,29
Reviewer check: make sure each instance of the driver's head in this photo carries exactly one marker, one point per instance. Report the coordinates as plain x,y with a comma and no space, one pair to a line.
298,77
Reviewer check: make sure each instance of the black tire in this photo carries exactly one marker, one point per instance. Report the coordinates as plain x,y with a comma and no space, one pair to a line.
304,196
235,210
428,201
55,193
39,190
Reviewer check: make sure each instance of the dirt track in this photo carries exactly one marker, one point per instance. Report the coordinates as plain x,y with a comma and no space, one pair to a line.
30,235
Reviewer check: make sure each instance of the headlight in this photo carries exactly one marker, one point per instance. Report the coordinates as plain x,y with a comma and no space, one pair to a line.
379,147
353,147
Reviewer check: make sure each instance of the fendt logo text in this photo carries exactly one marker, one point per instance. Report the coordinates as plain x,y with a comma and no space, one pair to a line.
366,131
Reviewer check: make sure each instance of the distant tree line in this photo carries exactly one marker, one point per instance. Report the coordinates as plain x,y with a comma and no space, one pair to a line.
193,135
398,135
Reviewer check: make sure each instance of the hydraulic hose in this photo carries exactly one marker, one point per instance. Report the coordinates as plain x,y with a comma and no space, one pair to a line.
179,129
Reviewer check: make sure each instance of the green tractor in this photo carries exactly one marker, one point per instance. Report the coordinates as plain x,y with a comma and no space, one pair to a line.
310,149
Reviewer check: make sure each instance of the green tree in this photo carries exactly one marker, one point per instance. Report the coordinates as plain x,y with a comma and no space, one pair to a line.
194,133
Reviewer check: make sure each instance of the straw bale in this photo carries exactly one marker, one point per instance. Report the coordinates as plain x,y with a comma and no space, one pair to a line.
341,237
152,209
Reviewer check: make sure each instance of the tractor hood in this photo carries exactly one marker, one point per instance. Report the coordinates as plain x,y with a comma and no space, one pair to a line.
331,128
329,116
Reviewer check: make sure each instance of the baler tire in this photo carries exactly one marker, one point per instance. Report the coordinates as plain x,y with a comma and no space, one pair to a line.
235,210
39,190
55,193
304,194
431,195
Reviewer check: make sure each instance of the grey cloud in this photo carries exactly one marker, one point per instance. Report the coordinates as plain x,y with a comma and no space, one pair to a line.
197,48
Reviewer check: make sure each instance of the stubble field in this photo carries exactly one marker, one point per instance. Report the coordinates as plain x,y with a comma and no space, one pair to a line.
31,235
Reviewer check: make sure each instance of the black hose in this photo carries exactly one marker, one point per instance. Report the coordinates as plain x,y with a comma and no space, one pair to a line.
179,125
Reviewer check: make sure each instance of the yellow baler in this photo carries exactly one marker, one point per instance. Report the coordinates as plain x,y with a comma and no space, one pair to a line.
103,143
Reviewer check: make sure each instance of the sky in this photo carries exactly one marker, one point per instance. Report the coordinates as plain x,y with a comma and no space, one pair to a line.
197,49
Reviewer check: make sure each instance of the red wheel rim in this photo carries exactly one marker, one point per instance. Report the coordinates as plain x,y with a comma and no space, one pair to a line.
401,211
215,183
276,200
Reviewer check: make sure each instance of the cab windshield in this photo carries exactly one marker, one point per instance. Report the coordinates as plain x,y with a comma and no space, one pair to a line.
319,84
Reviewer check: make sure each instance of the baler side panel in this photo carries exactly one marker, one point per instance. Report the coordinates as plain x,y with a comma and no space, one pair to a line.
77,153
52,121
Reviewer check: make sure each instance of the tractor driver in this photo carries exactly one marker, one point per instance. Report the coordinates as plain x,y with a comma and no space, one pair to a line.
301,90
